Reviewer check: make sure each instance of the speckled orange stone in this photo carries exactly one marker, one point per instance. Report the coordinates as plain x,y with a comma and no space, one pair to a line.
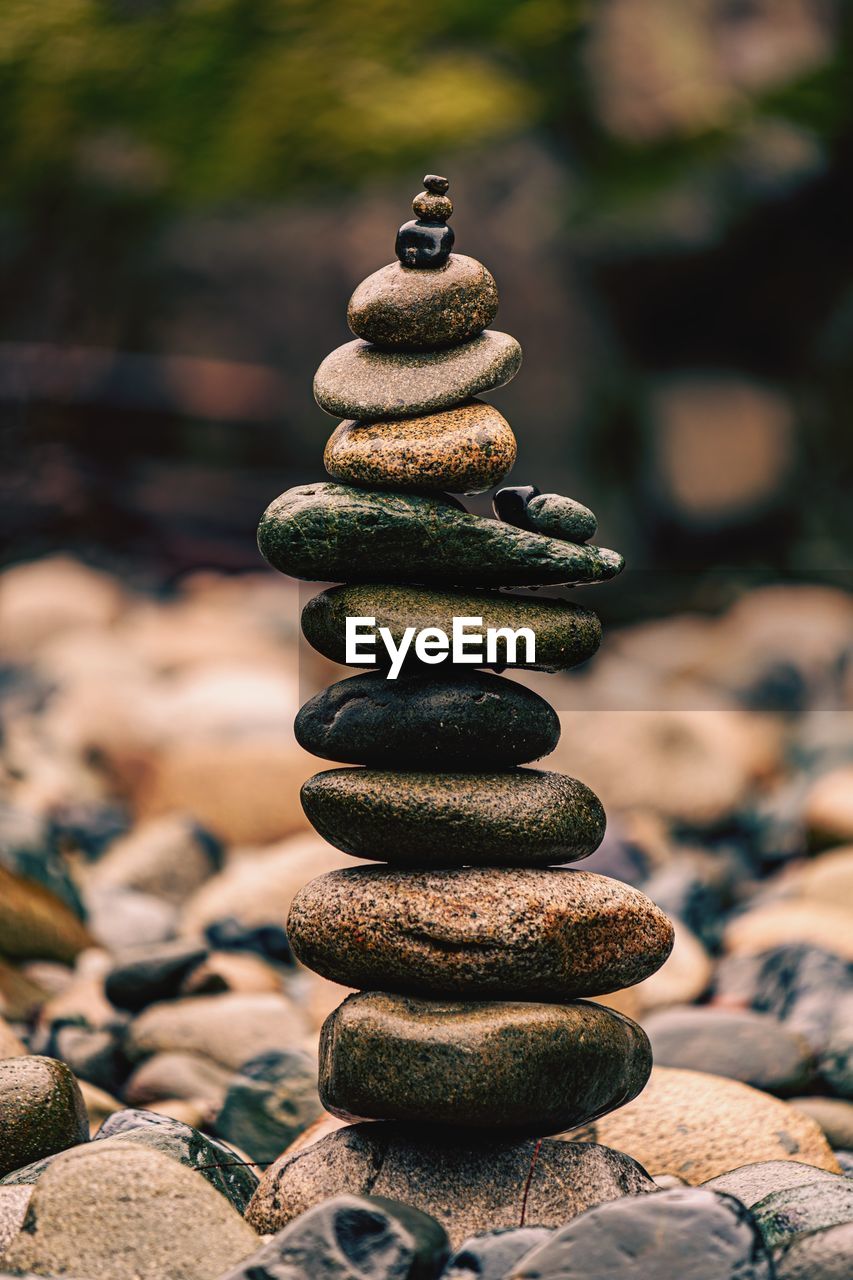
462,450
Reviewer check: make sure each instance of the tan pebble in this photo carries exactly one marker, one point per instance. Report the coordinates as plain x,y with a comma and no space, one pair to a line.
829,808
787,923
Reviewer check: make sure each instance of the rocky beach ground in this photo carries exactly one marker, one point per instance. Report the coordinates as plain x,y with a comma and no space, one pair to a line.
228,1051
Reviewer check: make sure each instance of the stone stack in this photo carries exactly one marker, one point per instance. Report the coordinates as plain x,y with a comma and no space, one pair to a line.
472,944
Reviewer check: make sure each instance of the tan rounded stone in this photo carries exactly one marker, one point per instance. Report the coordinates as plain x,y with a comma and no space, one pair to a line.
399,307
34,923
829,808
786,923
697,1126
462,450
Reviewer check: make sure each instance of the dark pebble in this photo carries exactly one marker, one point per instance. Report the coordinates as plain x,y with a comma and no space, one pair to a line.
42,1111
152,973
424,244
270,1101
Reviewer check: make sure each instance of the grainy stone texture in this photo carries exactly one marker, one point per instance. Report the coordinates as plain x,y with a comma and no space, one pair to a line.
489,1256
752,1047
468,1185
335,533
270,1101
401,308
13,1208
523,1068
464,450
560,517
41,1111
820,1255
115,1212
475,721
683,1234
797,1211
358,380
754,1182
478,932
699,1126
352,1238
566,634
519,817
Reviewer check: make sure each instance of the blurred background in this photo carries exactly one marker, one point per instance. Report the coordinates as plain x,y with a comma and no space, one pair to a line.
190,191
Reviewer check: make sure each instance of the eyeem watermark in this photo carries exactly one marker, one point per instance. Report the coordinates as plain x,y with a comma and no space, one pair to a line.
468,642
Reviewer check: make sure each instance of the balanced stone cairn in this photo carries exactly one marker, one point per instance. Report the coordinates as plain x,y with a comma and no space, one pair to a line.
470,947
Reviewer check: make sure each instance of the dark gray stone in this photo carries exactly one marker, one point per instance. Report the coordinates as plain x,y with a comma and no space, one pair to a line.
684,1234
520,1068
335,533
797,1211
518,817
469,1186
566,634
490,1256
478,721
152,973
352,1237
270,1101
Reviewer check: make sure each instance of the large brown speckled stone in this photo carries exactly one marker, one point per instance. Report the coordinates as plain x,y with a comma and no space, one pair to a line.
483,933
464,450
469,1184
566,634
337,533
518,817
358,380
515,1067
400,307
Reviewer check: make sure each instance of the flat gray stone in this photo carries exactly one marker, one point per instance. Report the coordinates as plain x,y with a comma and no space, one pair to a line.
361,381
754,1182
334,533
753,1047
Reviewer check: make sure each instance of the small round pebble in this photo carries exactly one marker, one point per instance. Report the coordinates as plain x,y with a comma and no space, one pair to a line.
431,207
548,513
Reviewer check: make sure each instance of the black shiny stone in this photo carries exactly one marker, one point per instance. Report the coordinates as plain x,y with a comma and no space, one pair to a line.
424,244
267,940
152,973
351,1238
510,504
433,182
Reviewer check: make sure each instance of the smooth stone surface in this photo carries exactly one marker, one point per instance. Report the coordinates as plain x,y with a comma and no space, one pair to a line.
524,1068
752,1047
683,1234
490,1256
754,1182
834,1115
334,533
462,450
35,924
217,1163
359,380
820,1255
796,1211
168,858
549,513
400,308
566,634
229,1028
143,976
41,1111
269,1103
698,1126
189,1076
520,817
468,1186
115,1212
482,932
423,243
477,721
352,1238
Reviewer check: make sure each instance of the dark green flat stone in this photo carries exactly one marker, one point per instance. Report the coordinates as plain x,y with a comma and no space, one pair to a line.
522,817
566,634
477,721
515,1067
335,533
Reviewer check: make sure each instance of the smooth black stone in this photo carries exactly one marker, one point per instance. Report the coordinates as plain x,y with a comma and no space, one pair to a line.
490,1256
424,244
683,1234
154,973
423,722
271,1100
267,940
93,1054
351,1237
436,183
510,505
